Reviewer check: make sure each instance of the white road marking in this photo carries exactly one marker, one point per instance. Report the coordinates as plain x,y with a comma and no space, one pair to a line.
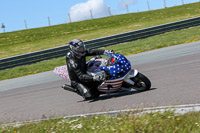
179,109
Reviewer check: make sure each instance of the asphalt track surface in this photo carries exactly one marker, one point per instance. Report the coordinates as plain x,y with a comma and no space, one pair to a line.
173,71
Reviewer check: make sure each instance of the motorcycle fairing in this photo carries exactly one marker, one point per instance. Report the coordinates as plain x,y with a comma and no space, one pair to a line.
117,69
132,73
114,85
111,85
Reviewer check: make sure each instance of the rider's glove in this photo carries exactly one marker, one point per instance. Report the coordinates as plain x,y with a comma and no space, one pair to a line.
99,78
109,51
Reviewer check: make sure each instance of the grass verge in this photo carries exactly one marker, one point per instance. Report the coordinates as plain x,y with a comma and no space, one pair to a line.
167,122
159,41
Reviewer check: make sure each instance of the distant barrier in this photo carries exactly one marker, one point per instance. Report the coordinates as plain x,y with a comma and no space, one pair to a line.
34,57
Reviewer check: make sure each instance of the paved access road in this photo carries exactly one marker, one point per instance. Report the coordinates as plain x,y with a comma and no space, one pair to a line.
173,71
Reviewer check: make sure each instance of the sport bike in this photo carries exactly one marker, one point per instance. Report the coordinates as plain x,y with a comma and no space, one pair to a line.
119,74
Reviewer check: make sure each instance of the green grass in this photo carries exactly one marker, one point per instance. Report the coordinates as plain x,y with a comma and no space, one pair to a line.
159,41
167,122
31,69
25,41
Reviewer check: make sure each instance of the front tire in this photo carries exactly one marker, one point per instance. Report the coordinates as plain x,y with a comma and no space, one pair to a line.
142,83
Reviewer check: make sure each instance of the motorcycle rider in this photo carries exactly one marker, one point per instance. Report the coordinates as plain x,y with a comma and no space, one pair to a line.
76,66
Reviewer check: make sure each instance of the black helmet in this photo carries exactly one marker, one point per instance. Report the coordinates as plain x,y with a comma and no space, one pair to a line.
77,47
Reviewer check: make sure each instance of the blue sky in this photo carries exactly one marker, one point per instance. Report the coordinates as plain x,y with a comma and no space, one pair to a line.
13,13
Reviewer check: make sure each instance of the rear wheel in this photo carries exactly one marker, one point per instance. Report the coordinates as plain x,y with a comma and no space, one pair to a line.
142,83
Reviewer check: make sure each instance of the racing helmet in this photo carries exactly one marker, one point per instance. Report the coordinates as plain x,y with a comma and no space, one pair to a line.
77,47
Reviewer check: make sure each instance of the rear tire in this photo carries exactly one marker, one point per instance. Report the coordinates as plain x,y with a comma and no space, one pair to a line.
142,83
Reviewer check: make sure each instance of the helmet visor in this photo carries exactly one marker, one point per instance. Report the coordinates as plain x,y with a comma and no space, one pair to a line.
80,49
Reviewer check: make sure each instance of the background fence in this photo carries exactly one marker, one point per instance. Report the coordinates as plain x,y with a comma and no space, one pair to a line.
19,23
34,57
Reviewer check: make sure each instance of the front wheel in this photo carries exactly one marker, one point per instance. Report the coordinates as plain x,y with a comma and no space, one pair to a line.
142,83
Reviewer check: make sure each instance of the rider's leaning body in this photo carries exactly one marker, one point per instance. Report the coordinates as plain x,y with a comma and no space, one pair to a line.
76,65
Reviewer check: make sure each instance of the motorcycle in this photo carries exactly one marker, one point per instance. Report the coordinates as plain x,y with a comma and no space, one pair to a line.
118,72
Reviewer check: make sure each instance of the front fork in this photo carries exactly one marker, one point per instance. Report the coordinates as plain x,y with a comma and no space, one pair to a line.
131,74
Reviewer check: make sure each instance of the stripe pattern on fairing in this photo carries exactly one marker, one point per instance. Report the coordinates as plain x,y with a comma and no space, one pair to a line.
111,85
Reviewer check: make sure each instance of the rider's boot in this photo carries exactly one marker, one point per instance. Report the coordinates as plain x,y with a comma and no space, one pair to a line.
69,88
84,92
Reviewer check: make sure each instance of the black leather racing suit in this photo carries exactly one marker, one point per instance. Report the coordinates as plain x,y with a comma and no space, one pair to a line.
77,70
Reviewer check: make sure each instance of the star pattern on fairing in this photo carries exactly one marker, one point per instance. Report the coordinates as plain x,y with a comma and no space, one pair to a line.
118,66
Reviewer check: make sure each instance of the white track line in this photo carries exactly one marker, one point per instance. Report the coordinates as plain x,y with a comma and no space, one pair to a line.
179,109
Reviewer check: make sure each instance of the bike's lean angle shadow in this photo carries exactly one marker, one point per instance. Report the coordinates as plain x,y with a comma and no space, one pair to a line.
117,94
